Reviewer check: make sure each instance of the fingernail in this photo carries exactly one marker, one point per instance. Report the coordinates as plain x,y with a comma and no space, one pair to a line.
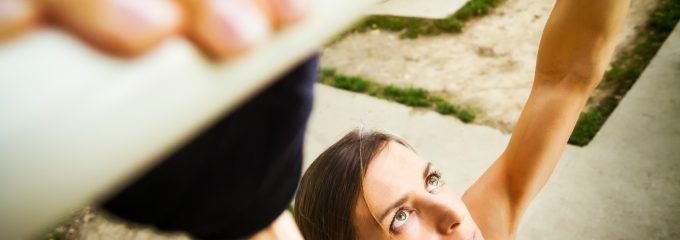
243,19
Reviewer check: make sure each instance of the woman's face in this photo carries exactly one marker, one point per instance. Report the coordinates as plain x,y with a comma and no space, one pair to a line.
405,193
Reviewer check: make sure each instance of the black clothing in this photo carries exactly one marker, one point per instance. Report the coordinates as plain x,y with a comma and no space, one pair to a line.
235,178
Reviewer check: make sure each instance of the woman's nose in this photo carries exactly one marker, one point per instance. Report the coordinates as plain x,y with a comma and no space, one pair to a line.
448,217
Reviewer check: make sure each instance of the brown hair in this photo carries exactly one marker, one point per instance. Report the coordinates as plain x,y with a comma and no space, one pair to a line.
325,201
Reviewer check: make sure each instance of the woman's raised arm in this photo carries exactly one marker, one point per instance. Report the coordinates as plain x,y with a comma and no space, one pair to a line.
575,49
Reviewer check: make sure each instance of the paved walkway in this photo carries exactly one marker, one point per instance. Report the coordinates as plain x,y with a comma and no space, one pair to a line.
624,185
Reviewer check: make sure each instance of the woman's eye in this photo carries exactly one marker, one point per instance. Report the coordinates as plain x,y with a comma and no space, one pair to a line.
399,219
433,181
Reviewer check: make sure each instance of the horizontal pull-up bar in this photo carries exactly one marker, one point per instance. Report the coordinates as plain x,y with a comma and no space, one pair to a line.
76,124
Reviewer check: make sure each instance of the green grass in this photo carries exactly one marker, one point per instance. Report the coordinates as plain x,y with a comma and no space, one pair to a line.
413,27
414,97
626,70
354,84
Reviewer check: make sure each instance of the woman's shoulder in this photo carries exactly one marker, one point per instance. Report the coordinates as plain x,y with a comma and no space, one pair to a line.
490,206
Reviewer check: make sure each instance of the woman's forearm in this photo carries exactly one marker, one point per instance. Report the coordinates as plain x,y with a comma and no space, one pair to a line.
579,40
576,47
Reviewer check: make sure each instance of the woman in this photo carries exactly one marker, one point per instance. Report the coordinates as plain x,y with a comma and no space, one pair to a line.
371,185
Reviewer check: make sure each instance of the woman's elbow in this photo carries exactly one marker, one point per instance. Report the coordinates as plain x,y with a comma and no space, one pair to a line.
582,79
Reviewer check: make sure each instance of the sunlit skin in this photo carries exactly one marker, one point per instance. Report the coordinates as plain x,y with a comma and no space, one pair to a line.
575,49
409,198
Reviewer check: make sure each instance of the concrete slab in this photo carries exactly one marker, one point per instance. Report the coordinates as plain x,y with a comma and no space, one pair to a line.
417,8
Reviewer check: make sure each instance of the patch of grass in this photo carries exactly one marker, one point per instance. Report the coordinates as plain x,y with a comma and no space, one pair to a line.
626,70
414,97
589,124
327,72
413,27
444,107
354,84
475,8
466,115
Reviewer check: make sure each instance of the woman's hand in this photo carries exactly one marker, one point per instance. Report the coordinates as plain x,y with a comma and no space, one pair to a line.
222,29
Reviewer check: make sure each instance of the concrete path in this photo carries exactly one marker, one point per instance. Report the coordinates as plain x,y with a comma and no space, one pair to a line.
624,185
417,8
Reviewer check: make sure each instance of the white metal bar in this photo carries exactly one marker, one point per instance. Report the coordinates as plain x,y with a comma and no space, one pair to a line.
75,123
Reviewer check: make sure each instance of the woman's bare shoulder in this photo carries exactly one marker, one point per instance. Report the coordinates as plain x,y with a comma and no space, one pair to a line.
489,205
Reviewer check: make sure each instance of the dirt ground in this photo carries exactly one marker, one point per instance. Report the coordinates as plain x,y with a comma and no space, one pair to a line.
489,66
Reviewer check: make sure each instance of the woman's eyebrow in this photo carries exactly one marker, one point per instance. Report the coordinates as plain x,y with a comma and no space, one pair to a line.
396,204
427,170
403,199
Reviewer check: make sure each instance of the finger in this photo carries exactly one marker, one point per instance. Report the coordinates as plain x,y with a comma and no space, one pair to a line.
122,27
285,12
16,17
226,28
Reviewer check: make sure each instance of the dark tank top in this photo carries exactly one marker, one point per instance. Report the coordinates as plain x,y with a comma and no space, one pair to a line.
236,177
